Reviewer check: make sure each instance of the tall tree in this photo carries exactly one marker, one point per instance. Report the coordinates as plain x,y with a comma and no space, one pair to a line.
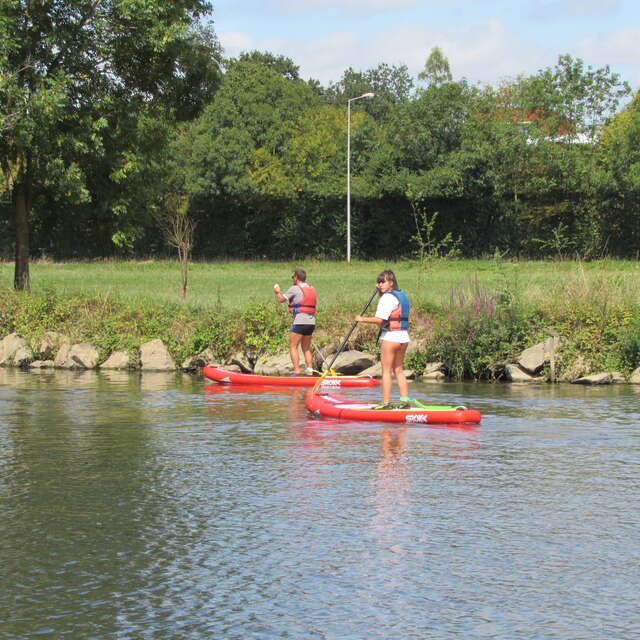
436,68
64,65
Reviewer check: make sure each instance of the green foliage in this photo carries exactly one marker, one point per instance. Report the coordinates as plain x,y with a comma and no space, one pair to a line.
215,333
428,247
263,329
477,334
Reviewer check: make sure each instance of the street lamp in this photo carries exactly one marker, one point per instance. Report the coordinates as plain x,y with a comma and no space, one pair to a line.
364,95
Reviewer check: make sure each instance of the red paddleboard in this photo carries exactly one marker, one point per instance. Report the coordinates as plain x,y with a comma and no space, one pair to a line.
232,377
327,405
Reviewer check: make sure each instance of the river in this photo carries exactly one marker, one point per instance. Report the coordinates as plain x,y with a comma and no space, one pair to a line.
158,506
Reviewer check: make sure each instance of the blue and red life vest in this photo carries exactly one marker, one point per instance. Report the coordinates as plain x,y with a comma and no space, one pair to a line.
308,302
399,317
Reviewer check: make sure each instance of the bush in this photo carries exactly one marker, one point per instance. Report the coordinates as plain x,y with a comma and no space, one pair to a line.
477,335
263,328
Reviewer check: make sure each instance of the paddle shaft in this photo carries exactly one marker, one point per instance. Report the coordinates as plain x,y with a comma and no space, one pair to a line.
353,326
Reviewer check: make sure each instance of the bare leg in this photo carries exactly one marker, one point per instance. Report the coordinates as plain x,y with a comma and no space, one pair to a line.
305,343
398,369
387,353
294,341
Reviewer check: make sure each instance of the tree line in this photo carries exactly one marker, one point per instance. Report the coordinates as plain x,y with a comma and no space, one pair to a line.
112,112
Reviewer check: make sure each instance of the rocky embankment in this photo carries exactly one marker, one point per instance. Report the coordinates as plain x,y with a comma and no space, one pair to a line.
57,351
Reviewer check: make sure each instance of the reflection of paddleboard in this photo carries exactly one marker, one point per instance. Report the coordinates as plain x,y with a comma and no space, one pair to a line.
231,377
334,407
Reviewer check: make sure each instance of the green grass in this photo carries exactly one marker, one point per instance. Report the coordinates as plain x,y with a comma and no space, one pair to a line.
475,315
234,285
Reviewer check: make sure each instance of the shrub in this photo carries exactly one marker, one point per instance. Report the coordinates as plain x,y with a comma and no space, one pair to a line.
478,333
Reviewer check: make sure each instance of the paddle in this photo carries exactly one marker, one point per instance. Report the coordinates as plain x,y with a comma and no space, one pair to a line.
344,342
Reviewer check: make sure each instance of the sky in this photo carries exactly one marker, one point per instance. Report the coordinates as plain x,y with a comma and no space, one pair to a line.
485,41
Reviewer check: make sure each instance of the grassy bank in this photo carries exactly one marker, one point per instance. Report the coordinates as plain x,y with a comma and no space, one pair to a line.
475,315
234,285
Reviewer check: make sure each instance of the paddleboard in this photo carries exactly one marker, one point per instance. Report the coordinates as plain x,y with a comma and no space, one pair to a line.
325,404
232,377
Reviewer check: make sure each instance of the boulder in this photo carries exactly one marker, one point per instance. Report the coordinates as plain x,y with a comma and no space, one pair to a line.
77,356
117,360
62,361
240,360
41,364
532,360
200,360
279,365
154,356
374,371
433,367
635,376
434,376
50,343
515,374
609,377
351,362
577,369
14,351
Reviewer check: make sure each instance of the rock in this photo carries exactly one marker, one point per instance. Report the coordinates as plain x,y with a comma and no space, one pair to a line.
433,367
351,362
41,364
532,360
77,356
200,360
515,374
154,356
62,361
374,371
578,368
240,360
635,376
609,377
279,365
434,376
50,343
117,360
14,351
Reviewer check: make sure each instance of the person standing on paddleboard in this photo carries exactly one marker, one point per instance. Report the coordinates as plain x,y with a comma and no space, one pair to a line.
302,305
392,316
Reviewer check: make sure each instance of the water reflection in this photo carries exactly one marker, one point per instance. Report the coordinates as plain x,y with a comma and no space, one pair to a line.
152,505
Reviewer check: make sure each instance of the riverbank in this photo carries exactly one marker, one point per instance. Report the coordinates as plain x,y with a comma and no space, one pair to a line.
476,329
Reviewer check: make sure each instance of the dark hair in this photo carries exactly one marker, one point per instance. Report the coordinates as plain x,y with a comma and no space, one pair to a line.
389,276
300,274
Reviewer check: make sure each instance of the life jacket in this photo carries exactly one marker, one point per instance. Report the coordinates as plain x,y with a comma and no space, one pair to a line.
308,302
399,317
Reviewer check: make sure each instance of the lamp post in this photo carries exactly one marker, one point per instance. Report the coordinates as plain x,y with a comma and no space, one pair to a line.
364,95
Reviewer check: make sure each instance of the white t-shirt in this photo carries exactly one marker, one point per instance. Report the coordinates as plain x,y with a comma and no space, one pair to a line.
387,303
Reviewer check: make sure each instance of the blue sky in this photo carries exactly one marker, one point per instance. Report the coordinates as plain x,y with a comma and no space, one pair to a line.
486,41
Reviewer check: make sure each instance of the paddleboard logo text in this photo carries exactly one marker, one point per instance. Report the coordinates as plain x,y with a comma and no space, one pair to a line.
420,418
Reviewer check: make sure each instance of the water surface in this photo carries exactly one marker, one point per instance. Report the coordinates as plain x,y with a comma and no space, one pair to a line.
157,506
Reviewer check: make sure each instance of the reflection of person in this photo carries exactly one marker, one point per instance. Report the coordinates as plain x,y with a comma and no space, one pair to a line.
302,305
392,316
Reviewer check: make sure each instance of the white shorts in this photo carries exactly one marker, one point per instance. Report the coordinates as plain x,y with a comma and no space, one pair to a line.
400,336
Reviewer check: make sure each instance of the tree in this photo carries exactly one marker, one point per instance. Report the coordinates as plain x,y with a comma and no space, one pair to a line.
436,69
178,228
65,65
571,99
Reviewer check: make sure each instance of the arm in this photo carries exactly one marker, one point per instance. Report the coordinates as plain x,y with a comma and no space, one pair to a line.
370,320
278,293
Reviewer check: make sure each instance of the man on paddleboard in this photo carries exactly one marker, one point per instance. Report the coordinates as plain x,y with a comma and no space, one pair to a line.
301,298
392,316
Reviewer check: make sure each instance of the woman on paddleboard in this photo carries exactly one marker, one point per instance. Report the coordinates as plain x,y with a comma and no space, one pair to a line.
392,316
302,305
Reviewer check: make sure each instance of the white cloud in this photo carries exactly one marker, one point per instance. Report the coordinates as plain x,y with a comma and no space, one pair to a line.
485,52
618,49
